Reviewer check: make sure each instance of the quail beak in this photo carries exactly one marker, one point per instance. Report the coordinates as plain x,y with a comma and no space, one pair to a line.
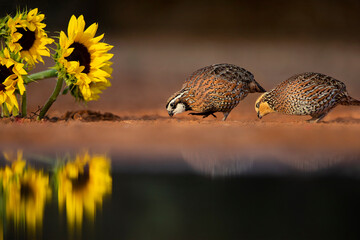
259,116
170,113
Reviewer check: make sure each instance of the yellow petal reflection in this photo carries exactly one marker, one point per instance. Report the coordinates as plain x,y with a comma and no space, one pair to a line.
83,183
24,194
26,198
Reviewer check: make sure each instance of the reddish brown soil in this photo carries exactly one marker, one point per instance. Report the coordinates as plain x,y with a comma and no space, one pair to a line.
147,73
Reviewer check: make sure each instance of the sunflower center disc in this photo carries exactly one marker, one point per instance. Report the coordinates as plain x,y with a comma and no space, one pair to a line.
82,179
26,191
4,73
80,54
27,40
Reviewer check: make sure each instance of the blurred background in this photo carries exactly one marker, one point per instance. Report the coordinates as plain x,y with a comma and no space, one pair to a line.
157,44
322,19
207,179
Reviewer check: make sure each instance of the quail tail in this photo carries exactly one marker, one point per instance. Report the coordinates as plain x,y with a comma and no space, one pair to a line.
255,87
351,101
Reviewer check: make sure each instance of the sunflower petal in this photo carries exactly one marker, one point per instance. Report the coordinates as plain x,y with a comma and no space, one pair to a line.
72,26
92,30
80,24
2,97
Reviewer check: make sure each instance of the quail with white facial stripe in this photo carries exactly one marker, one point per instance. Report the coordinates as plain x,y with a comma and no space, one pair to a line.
215,88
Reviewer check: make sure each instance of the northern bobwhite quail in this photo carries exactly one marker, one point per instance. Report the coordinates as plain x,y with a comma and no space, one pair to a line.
215,88
313,94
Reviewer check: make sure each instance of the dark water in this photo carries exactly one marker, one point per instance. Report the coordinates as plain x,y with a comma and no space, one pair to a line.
175,202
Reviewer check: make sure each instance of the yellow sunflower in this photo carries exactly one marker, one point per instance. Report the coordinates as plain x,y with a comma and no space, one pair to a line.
11,72
82,185
83,61
26,35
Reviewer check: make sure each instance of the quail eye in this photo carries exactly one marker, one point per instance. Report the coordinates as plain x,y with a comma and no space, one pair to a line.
257,105
172,105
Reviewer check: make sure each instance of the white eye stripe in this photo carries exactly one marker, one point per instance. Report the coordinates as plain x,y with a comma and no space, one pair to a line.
171,103
178,96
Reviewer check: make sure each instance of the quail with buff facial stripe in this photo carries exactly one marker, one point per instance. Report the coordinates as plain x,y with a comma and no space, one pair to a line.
215,88
310,93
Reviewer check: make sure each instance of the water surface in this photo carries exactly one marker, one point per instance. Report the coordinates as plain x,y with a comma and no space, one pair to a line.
95,196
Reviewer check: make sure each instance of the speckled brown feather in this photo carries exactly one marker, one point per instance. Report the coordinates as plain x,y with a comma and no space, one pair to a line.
217,88
313,94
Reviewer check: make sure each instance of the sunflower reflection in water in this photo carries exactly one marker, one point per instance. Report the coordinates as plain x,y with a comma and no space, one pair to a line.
82,185
25,192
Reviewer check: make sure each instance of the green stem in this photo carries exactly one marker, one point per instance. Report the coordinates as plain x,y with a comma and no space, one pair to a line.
4,111
23,105
40,76
52,98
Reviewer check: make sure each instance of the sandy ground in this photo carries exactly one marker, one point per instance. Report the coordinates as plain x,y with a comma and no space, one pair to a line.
147,72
